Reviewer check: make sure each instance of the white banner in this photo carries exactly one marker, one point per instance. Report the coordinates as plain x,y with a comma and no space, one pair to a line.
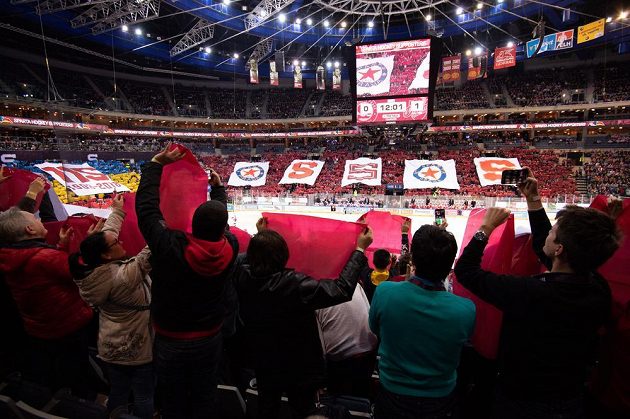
421,174
421,81
373,75
489,169
82,179
249,173
363,170
303,171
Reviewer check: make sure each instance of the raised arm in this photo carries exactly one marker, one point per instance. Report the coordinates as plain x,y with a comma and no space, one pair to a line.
115,220
538,219
28,202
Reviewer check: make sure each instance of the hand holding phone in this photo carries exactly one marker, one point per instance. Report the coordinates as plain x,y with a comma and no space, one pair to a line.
440,216
513,177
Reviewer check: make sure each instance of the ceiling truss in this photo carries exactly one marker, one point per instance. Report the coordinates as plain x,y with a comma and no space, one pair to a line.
198,34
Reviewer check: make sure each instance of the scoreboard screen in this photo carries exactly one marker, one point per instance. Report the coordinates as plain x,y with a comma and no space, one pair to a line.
390,111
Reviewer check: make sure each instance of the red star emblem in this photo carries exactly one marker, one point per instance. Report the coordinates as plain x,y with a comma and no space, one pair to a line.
370,73
430,172
250,172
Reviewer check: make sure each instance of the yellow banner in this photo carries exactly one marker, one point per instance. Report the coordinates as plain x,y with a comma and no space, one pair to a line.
591,31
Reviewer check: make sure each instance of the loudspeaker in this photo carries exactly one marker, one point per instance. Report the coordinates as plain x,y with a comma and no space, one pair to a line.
280,61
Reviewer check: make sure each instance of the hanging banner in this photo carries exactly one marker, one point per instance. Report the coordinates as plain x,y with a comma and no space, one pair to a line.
336,84
451,68
427,174
253,71
564,40
477,72
549,44
302,171
297,77
505,57
374,75
489,169
363,170
591,31
81,179
249,174
273,74
320,76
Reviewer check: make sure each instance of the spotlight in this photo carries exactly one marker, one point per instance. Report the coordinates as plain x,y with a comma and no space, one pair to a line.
125,28
479,6
510,44
328,64
236,55
208,50
468,53
371,24
608,19
296,63
499,1
336,64
263,13
344,24
309,21
459,11
282,18
138,31
428,17
326,23
477,50
298,21
623,15
303,63
226,2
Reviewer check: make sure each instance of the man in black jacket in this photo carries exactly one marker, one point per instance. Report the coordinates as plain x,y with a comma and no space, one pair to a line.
550,321
190,276
277,306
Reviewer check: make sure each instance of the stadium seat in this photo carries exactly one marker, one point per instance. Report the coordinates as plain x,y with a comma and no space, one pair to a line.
8,409
29,412
72,407
231,403
19,389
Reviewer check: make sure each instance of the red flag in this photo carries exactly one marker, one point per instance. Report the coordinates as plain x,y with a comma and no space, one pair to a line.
386,229
319,247
524,261
243,238
15,187
130,235
497,258
80,226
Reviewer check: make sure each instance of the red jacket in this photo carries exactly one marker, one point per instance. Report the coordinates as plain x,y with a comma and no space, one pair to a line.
43,289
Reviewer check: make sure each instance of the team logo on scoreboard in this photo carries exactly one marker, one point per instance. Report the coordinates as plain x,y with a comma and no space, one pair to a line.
371,75
250,173
430,172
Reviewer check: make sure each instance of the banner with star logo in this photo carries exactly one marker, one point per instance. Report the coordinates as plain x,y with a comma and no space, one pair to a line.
249,174
374,75
363,170
427,174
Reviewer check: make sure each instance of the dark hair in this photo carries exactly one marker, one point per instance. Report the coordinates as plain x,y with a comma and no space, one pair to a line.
433,251
267,253
589,237
209,221
381,259
91,249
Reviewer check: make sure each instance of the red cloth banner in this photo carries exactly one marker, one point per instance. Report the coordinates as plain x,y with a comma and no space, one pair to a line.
497,258
451,68
243,238
319,247
477,72
80,226
386,231
130,235
13,189
505,57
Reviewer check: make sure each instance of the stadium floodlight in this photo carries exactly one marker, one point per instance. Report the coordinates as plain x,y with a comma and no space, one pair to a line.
608,19
309,21
207,50
326,23
623,15
236,55
138,31
298,21
227,2
344,24
468,53
303,64
477,50
510,44
428,17
244,8
371,24
263,13
328,64
125,28
296,63
479,6
459,11
264,10
113,14
336,64
282,18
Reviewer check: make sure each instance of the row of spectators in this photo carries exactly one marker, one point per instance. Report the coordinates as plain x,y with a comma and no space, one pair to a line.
608,173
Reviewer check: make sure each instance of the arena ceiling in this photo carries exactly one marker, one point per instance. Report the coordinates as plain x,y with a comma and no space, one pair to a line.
213,37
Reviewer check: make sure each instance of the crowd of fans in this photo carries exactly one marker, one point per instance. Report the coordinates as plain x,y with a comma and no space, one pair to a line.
611,84
549,87
608,173
469,96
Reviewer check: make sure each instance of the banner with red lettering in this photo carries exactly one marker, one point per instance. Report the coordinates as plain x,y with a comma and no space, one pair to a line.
477,71
81,179
319,247
14,187
363,170
451,68
505,57
497,258
489,169
302,171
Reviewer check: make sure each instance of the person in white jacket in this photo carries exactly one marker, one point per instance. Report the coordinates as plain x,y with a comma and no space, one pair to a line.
120,289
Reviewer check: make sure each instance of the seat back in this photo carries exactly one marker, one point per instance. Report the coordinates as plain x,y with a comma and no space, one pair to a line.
8,409
231,403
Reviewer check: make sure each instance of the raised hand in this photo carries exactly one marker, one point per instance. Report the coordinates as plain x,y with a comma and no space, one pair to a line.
165,156
365,238
95,228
